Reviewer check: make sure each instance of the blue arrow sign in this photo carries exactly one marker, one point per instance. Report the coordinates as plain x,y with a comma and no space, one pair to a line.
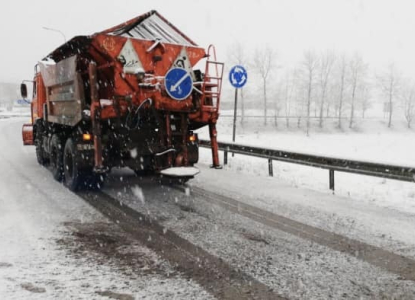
238,76
178,83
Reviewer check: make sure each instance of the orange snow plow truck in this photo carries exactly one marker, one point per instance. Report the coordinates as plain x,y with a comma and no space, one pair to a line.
128,96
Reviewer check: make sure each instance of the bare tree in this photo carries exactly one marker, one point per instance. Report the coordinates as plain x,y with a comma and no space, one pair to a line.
330,95
309,67
389,84
408,102
300,92
277,95
300,98
237,56
264,63
325,67
342,68
357,73
365,102
288,87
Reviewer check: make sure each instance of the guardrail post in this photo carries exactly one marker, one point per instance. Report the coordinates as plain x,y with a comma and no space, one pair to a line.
225,157
331,179
270,170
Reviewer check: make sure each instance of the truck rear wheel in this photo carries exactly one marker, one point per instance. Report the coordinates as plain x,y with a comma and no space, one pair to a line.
72,174
56,158
75,177
94,181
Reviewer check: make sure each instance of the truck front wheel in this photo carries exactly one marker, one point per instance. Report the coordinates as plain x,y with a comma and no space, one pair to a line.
56,161
40,151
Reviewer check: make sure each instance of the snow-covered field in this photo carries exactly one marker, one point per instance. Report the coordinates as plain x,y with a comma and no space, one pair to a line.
370,140
18,111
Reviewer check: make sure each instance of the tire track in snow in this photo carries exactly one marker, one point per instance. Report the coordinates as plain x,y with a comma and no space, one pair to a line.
394,263
211,272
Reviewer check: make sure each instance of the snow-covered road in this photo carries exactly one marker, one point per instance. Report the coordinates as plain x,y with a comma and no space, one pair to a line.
53,245
40,257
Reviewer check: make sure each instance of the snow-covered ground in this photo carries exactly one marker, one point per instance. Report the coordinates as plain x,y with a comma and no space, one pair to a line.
17,111
370,140
295,268
51,246
46,234
390,228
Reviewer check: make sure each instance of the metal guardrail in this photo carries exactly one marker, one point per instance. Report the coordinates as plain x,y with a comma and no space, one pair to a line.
330,163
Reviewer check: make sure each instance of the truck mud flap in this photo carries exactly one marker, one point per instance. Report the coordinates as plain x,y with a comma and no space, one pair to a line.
27,134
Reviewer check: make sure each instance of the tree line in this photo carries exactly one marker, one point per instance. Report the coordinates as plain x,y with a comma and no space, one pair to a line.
322,85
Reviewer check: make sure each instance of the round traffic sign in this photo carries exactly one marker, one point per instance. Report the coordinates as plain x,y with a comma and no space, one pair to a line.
238,76
178,83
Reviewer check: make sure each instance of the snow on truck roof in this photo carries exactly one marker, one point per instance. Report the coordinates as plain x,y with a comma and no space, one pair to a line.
148,26
151,26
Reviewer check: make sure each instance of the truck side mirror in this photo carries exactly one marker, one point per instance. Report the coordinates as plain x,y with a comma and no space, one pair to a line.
23,90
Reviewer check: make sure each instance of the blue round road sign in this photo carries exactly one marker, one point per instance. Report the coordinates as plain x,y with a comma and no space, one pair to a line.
178,83
238,76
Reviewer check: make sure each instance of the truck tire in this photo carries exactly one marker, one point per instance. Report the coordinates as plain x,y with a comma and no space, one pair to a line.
40,151
94,181
56,158
72,175
146,167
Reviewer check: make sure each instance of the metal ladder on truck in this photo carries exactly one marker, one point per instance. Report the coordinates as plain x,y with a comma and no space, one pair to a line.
210,101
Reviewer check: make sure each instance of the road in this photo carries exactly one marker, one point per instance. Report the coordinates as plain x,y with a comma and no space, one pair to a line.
54,245
224,235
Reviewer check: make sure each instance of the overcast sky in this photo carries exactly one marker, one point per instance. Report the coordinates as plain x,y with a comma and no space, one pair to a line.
382,31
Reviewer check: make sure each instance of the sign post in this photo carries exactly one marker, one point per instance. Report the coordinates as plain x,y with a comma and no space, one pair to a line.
238,77
234,115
